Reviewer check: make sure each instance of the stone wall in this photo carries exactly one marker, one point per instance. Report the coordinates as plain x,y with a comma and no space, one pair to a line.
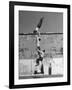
53,45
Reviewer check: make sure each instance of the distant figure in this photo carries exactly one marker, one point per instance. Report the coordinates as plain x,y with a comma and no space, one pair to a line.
50,69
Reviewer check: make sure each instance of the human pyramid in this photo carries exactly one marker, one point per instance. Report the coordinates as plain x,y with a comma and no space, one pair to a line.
40,53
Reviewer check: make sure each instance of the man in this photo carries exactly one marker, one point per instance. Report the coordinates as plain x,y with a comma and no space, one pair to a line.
39,60
36,31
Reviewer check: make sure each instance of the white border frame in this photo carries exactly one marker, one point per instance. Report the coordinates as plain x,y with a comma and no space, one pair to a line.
18,81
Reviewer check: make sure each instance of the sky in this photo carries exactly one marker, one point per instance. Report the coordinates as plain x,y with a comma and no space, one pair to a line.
28,20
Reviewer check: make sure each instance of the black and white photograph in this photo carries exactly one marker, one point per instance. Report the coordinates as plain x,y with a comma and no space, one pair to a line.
41,44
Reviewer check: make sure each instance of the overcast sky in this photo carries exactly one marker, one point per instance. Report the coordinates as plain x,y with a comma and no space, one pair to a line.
28,20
